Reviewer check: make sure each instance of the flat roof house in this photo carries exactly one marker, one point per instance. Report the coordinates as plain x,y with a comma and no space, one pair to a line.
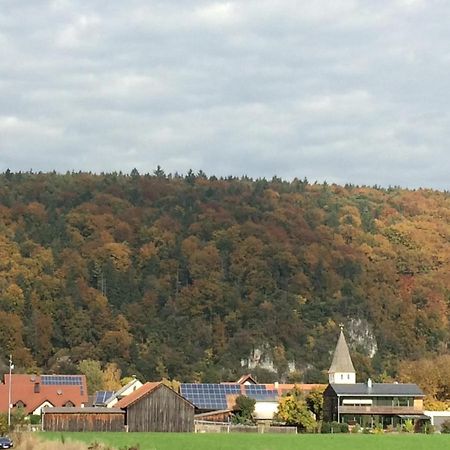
368,404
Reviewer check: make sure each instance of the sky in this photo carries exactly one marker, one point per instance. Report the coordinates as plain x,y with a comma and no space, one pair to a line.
343,91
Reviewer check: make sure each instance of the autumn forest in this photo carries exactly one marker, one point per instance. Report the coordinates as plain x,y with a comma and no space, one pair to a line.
187,277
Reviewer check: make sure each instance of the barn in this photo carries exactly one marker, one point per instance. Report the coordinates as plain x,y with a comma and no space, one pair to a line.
156,407
83,419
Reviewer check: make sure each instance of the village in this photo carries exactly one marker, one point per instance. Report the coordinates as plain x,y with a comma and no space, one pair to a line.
61,403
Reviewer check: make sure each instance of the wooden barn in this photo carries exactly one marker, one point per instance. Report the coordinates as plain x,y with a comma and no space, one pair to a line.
156,407
83,419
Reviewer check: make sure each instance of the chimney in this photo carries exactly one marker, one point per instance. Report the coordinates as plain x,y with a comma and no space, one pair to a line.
37,388
276,385
369,383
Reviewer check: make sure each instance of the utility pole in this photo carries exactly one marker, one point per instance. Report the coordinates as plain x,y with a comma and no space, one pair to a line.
11,367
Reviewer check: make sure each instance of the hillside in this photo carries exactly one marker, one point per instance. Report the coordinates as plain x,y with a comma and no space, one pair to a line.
184,277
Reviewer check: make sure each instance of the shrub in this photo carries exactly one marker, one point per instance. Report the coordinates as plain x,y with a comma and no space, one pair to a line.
445,427
378,429
408,426
334,427
35,419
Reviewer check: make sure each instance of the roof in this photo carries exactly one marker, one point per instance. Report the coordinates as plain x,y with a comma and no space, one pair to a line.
137,394
378,389
219,396
86,410
342,362
144,390
34,390
246,379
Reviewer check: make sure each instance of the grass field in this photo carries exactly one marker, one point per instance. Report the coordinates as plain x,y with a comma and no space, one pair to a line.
175,441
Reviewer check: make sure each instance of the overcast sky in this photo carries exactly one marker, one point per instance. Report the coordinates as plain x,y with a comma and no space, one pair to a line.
342,90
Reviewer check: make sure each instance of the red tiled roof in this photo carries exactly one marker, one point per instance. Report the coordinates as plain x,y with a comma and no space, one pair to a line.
137,394
23,390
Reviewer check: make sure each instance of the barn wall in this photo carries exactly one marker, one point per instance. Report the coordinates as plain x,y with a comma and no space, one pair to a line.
83,422
161,410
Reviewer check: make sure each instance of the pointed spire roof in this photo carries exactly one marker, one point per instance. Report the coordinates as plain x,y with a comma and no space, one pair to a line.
342,362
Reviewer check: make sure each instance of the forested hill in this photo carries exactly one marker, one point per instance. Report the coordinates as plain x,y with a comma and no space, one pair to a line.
184,277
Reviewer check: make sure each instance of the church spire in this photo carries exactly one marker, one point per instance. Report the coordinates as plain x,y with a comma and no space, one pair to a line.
341,369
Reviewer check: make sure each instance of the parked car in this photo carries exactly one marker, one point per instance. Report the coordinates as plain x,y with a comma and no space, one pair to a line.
6,442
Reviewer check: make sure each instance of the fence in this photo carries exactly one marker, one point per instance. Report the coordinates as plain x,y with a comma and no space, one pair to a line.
203,426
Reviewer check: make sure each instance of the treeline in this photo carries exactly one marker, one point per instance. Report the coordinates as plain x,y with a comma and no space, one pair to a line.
185,276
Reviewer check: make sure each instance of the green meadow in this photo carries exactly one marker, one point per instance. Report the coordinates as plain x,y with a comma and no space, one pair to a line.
182,441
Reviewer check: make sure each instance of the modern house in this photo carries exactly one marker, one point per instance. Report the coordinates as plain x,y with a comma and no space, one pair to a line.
34,392
368,404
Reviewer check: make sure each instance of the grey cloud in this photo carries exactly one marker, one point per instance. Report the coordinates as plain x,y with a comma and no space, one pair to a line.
347,91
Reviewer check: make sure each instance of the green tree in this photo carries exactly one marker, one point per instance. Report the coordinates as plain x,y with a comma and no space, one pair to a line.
244,407
293,410
94,374
314,401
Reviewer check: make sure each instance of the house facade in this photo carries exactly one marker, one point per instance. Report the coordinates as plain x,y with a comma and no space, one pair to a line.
34,392
368,404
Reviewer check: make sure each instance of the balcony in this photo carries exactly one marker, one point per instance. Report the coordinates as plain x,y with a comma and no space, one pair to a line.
368,409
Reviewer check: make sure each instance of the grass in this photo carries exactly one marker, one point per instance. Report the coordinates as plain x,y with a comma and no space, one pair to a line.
181,441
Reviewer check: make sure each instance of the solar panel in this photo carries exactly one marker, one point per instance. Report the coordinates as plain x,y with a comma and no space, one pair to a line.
66,380
102,396
260,392
208,395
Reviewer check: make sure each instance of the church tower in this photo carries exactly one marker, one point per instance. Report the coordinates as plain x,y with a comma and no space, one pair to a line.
341,369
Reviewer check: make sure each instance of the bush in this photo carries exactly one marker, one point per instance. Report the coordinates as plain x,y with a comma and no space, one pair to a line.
445,427
35,419
334,427
378,429
408,426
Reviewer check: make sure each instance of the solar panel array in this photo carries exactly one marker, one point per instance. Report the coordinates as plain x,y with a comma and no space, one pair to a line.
209,396
214,396
260,392
67,380
102,396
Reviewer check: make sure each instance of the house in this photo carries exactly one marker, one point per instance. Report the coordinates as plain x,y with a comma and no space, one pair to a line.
156,407
221,397
110,398
368,404
34,392
83,419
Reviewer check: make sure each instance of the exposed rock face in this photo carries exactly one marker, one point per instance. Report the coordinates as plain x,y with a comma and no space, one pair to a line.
361,336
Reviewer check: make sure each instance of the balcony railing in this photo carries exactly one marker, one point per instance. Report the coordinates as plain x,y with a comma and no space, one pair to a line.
367,409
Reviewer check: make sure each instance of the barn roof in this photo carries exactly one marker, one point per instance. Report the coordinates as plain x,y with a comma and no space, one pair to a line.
145,390
86,410
137,394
